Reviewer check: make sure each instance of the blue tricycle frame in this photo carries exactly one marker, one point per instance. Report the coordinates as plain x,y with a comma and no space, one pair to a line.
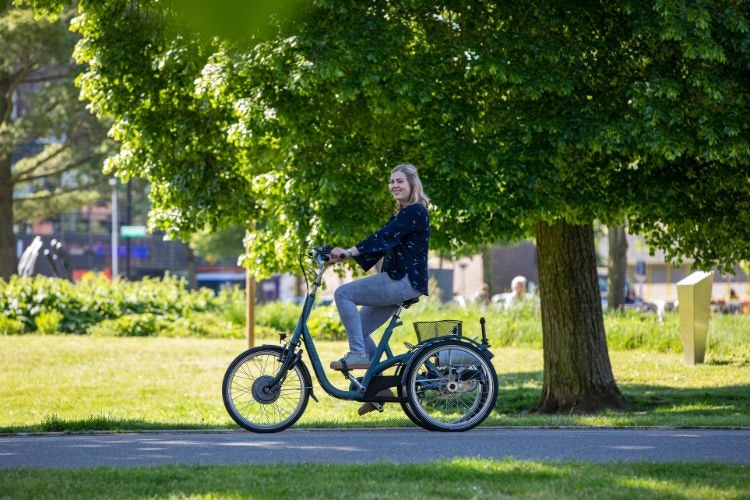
445,382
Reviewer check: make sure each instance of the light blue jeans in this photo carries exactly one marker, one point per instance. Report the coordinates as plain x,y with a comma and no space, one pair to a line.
379,296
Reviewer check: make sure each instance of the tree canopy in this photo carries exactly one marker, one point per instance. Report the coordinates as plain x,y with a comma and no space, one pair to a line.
513,113
524,119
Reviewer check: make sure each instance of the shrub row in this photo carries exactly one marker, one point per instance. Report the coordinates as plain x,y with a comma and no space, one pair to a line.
165,307
50,305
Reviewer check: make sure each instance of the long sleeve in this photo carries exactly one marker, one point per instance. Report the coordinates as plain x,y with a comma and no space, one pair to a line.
403,244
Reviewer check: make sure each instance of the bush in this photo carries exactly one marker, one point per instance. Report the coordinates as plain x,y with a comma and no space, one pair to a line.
91,301
10,326
166,307
202,324
324,323
278,315
48,322
231,301
134,325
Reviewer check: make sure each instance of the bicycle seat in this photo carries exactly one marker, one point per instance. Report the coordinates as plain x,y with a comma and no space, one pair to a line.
408,303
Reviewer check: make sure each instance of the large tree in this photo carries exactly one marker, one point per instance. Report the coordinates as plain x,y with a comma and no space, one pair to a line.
524,120
51,148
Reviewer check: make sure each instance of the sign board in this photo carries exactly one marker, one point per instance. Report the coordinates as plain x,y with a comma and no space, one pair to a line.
132,231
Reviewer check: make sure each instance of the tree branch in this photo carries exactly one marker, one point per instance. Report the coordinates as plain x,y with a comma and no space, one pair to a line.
47,78
14,81
64,168
58,192
25,174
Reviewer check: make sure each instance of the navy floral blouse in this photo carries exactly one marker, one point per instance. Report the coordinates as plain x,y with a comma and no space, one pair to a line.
402,244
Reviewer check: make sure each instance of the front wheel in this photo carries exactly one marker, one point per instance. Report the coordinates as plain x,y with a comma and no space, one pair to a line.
254,402
450,386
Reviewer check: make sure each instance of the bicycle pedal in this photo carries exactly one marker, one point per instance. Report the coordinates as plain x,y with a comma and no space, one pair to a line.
368,407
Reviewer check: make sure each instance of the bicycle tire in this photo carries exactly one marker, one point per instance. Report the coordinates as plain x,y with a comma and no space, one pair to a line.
254,405
407,409
450,386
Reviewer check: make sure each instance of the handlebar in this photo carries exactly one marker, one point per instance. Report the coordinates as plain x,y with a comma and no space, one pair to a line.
321,254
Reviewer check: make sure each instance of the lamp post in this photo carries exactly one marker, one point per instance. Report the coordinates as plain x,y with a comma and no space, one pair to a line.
115,229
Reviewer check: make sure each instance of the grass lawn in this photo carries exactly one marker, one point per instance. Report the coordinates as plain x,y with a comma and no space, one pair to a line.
83,383
454,479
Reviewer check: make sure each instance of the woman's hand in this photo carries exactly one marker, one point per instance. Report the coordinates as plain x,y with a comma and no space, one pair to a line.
338,254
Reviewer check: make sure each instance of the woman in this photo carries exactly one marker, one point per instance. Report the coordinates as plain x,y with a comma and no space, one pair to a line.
402,243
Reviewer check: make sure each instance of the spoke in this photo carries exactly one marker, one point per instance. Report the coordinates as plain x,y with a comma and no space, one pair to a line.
256,409
468,396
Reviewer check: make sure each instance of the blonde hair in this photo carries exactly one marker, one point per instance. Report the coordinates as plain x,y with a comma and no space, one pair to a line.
417,191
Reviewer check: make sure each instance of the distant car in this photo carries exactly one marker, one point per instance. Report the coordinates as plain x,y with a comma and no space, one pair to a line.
632,301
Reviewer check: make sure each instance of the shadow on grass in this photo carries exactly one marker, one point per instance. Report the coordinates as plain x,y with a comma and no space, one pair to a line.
56,424
517,400
520,392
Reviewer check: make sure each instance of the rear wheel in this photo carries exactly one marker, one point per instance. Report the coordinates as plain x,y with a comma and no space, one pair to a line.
251,398
450,386
407,407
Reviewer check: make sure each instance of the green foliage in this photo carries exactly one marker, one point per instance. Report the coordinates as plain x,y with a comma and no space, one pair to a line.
10,326
222,244
87,303
48,322
164,307
728,335
282,317
203,324
232,304
279,315
132,325
539,113
521,327
325,324
235,19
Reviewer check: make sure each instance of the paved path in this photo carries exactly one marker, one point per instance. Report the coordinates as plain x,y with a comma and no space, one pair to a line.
371,445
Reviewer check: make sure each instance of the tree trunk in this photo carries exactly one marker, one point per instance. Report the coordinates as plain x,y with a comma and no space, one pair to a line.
618,267
577,372
7,239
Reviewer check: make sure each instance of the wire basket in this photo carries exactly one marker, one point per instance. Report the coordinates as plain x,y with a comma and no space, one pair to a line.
432,329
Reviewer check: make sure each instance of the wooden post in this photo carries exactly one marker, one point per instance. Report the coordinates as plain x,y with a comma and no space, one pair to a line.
250,308
249,299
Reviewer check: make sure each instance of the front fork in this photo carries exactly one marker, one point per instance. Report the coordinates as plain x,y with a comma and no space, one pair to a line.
290,357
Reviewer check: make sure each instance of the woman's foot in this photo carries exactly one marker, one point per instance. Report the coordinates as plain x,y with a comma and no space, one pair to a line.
372,406
351,361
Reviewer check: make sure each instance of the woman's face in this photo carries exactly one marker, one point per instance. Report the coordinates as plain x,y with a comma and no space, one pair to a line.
400,187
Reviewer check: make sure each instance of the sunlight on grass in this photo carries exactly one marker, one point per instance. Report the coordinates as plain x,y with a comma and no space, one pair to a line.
458,478
81,382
